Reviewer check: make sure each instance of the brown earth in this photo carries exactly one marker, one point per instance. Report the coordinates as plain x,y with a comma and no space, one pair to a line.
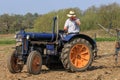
102,68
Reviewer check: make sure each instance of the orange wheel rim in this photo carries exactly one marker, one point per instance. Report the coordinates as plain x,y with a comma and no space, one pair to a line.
36,63
79,55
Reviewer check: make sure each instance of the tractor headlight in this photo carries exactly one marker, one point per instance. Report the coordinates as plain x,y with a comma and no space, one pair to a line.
18,38
15,36
27,37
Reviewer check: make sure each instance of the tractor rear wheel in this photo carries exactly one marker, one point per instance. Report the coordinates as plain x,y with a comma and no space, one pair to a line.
12,63
34,63
77,55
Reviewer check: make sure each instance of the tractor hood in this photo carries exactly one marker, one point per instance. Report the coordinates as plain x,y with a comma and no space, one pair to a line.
41,36
36,36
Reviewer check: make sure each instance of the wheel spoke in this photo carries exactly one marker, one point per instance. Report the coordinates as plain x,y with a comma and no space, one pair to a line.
81,48
76,62
73,59
73,56
74,50
84,53
83,58
79,63
78,48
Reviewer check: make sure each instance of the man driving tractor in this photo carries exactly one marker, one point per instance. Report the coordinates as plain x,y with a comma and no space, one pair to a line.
72,23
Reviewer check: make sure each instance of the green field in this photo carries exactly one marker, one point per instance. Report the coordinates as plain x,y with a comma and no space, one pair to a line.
7,39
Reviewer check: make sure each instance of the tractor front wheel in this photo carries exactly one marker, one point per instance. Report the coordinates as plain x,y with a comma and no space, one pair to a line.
34,63
12,63
77,55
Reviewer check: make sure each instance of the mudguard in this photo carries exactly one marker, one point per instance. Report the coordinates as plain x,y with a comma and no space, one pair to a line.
69,37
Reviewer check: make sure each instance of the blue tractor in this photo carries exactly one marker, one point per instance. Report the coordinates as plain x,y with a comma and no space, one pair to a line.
74,52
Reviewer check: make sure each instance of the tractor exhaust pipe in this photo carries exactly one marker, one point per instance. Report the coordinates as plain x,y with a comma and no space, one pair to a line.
54,23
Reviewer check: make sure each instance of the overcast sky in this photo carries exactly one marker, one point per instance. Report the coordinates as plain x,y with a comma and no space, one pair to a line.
45,6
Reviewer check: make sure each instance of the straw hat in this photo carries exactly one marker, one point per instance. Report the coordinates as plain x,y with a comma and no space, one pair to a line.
71,14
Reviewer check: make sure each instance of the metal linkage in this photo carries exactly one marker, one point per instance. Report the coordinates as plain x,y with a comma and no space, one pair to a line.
117,45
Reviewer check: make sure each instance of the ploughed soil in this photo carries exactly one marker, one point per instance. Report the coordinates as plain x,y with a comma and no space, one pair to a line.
103,68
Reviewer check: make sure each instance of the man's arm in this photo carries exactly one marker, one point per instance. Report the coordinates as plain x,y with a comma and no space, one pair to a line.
78,22
66,26
65,29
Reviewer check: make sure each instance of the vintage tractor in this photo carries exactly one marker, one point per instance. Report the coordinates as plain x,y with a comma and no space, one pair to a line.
74,52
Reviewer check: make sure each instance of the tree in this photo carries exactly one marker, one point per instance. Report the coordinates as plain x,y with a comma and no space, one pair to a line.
109,15
89,18
44,22
5,22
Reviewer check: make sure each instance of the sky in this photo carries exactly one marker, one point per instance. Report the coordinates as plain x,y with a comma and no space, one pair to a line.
45,6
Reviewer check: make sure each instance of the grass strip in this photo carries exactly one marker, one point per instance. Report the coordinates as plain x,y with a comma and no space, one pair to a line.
7,41
106,39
